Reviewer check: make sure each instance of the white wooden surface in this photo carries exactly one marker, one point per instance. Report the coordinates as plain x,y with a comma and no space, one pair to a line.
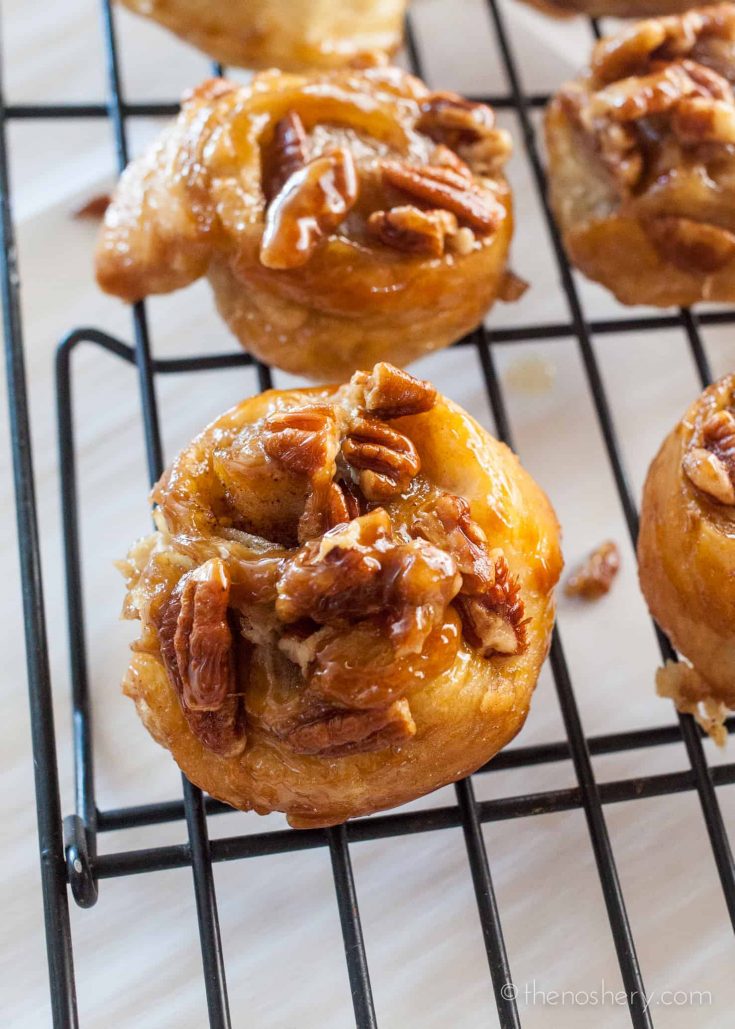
137,956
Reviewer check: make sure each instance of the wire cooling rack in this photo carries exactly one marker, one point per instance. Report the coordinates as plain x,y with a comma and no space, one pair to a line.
68,847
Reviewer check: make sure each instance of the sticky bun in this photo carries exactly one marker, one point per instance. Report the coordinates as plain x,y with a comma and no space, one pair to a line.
341,218
642,160
686,548
292,34
346,602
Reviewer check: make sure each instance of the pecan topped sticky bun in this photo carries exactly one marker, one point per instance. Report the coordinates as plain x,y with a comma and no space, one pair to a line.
346,602
686,549
642,160
340,218
292,34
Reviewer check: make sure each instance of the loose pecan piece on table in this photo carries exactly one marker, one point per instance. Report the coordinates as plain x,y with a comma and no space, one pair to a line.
594,577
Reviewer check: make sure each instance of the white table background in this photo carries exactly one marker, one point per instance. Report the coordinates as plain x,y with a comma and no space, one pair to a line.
137,954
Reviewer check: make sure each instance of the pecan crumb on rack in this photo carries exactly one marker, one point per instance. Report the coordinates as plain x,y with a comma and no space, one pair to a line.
412,230
311,204
679,682
385,460
594,577
287,154
392,393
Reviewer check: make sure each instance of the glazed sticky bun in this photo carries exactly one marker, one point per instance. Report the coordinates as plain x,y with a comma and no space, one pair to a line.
292,34
686,550
346,602
642,160
340,218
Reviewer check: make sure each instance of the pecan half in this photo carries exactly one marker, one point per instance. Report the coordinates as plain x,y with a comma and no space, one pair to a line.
311,204
392,393
195,637
287,154
448,190
305,440
494,620
595,575
641,96
412,230
450,118
354,732
385,460
328,504
198,654
698,120
627,52
690,244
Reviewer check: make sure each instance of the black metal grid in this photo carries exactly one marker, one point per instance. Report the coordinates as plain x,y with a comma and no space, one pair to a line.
70,857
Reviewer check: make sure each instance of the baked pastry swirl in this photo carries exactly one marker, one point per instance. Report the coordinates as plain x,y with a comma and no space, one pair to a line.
686,548
642,160
292,34
340,218
346,603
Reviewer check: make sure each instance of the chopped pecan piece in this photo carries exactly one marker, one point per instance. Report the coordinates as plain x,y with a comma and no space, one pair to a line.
595,576
447,523
446,189
444,157
305,440
354,732
385,460
641,96
494,619
512,287
287,154
412,230
452,119
709,474
690,244
392,393
195,637
311,204
489,601
698,120
358,571
711,467
710,84
328,504
627,52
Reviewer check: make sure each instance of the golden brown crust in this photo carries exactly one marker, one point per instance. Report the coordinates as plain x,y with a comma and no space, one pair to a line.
686,549
379,659
642,161
341,218
295,35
